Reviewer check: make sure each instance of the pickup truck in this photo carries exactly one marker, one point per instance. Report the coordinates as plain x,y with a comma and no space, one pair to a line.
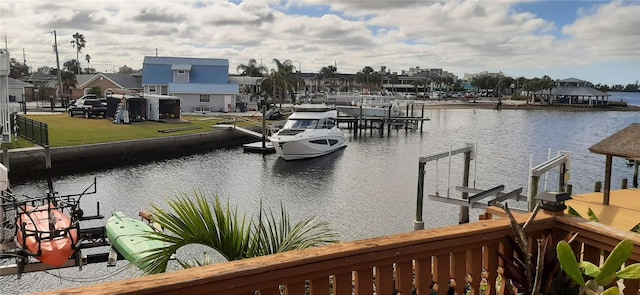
88,107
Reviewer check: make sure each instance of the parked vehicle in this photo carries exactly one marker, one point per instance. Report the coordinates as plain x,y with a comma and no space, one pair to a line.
88,107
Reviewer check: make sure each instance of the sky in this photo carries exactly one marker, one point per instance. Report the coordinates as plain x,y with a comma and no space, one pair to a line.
597,41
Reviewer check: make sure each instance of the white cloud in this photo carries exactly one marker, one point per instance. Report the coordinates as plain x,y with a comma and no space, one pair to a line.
459,36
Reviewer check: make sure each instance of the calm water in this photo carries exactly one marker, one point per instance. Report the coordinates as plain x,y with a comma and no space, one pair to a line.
365,190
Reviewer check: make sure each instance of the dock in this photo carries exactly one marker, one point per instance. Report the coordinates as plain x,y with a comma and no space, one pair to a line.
623,211
254,147
412,119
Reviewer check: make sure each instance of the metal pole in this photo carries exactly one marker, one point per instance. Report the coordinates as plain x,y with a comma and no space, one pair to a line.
464,210
264,124
55,45
607,180
635,173
533,191
561,177
418,224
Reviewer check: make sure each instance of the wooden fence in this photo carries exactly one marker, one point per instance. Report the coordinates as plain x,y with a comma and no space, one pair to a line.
376,266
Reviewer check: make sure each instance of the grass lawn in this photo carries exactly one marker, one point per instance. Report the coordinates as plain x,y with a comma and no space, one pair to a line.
71,131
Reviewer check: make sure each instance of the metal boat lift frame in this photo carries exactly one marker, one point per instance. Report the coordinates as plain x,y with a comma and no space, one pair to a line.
562,161
467,201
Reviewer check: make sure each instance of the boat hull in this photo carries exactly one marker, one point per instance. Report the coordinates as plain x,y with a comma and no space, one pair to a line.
310,145
127,236
51,246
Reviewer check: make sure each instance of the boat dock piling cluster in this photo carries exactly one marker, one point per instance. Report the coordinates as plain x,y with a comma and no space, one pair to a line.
411,119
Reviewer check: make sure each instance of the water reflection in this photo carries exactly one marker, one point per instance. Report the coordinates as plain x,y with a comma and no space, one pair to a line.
367,189
320,166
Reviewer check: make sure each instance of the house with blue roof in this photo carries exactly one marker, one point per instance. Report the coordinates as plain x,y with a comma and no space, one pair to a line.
202,83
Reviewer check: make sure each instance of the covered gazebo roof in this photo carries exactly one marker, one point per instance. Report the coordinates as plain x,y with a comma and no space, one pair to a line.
624,143
572,91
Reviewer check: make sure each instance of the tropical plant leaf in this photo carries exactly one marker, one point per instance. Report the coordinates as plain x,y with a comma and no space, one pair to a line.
590,269
618,256
222,228
631,272
592,216
636,229
573,212
275,235
569,263
517,250
196,222
611,291
514,271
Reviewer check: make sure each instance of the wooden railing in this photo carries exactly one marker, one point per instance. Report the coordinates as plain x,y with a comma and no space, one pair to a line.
374,266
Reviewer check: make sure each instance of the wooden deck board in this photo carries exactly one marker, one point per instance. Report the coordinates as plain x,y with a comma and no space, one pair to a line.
623,211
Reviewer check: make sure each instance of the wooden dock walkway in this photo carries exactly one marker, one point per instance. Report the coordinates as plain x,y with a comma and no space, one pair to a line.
623,211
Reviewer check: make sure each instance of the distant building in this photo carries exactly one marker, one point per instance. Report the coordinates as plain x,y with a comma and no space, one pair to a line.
45,86
202,83
20,91
108,83
572,91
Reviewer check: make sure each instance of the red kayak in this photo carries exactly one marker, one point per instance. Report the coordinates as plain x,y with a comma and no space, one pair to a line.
47,234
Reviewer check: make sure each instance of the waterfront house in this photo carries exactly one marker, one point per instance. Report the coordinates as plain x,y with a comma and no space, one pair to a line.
202,83
109,83
572,91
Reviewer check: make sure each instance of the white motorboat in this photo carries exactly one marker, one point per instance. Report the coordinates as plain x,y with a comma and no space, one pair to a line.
311,131
372,106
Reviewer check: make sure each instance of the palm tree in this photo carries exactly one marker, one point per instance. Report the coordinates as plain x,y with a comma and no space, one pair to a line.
393,79
79,43
251,69
68,80
88,58
231,234
328,73
416,84
285,78
425,83
71,66
548,84
367,77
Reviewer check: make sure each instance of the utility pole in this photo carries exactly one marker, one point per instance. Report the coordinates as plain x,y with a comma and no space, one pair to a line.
24,57
55,46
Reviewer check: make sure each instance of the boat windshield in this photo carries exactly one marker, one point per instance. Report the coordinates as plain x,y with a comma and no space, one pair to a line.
300,124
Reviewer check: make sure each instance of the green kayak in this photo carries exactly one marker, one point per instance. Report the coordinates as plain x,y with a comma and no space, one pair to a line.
126,236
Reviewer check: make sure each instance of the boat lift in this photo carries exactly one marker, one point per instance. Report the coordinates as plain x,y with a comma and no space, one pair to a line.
467,201
87,237
562,161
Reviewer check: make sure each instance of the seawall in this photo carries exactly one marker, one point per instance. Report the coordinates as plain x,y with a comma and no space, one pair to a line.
27,164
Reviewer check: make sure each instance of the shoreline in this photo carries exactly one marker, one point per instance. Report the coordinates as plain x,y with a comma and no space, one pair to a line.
521,105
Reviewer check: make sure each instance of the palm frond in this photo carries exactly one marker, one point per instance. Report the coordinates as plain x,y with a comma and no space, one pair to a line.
275,235
222,228
194,222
